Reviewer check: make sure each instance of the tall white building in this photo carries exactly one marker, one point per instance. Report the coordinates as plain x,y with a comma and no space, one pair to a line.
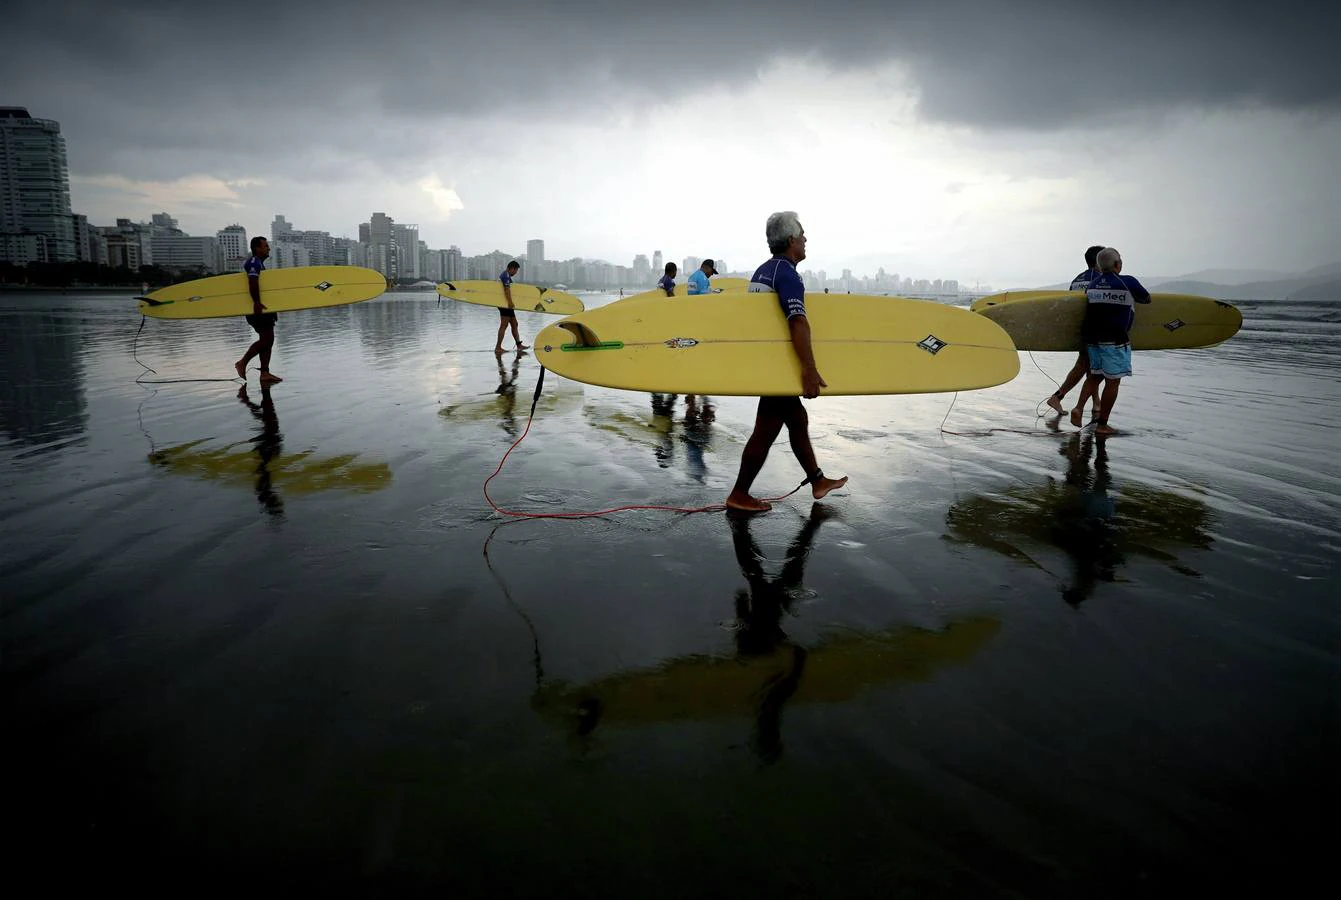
35,219
233,248
535,261
183,253
658,266
405,238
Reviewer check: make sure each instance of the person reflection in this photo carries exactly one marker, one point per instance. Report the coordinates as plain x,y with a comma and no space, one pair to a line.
663,412
268,442
758,626
699,414
507,390
1085,520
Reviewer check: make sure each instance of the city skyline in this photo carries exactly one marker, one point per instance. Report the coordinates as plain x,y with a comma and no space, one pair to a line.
931,138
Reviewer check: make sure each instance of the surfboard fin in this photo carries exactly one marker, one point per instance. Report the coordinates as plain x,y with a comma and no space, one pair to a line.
586,338
152,302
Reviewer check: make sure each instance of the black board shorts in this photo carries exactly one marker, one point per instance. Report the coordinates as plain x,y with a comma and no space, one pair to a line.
505,313
261,321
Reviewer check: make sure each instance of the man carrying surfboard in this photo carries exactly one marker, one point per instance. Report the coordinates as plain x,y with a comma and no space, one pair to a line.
787,243
667,281
260,320
1082,367
698,279
1109,312
507,315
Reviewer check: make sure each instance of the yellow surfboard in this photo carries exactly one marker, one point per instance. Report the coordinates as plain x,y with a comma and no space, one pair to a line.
282,290
1050,320
526,297
740,344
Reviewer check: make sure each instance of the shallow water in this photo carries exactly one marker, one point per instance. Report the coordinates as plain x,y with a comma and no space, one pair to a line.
281,634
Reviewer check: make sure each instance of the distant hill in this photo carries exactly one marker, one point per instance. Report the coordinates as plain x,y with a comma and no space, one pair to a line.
1222,276
1324,290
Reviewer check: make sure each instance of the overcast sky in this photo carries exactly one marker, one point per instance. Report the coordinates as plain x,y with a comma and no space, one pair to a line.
970,139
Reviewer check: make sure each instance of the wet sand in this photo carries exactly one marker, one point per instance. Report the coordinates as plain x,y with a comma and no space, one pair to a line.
281,635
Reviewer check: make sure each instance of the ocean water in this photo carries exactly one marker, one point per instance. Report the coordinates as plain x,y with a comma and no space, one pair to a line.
280,638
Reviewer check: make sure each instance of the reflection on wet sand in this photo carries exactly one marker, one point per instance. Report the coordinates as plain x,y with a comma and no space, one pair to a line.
1095,524
658,430
769,669
558,397
41,379
259,463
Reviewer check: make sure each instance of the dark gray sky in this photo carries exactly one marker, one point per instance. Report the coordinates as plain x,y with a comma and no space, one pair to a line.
923,137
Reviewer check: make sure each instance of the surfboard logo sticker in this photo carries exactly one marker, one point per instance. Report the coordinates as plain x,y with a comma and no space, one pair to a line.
1175,324
681,343
932,344
194,299
324,286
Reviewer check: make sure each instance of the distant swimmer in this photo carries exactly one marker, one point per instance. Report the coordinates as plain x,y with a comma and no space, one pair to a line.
1082,367
787,243
1109,313
698,279
667,281
261,321
506,315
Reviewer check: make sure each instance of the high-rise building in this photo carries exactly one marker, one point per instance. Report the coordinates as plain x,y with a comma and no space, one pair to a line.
405,240
534,270
163,223
453,264
381,255
35,218
280,228
233,248
657,266
642,270
183,253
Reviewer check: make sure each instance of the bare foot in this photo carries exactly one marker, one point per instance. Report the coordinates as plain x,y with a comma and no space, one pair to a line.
241,369
1075,416
742,502
498,351
521,346
1056,404
1105,429
267,378
821,488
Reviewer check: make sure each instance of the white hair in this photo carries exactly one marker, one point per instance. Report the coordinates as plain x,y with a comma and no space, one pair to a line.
1108,259
780,229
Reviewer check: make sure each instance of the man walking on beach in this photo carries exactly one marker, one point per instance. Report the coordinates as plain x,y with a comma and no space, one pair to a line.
787,242
507,316
1109,312
1081,368
667,282
698,279
260,320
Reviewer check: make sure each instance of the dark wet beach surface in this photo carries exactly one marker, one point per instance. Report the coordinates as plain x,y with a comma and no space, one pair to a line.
259,637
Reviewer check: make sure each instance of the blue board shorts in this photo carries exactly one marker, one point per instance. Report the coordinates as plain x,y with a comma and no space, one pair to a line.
1109,360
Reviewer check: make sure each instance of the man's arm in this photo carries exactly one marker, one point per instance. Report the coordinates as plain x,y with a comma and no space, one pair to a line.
254,288
507,294
811,382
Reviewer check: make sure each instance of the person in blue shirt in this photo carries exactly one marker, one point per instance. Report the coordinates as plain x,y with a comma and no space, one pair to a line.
787,243
698,279
1109,313
667,281
506,315
1082,366
261,321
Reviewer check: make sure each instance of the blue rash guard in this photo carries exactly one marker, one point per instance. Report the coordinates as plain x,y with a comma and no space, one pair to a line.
1110,309
1082,281
667,284
698,283
779,275
254,267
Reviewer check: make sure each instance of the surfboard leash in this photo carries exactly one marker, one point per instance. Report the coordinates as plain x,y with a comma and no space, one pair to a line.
535,399
140,379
